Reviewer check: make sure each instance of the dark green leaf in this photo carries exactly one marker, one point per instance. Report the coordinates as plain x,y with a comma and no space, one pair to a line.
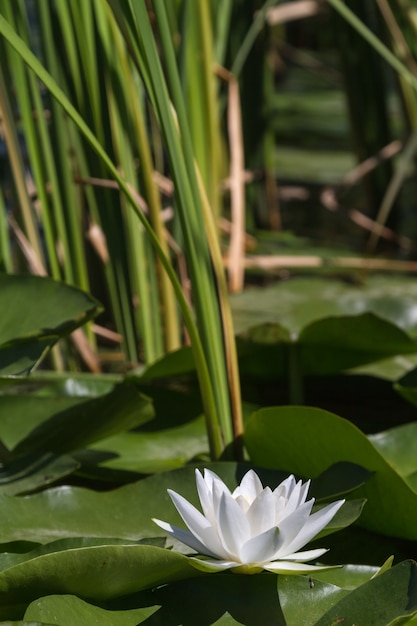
161,450
307,441
68,610
405,620
9,559
304,600
397,445
97,573
379,601
172,364
21,355
338,480
407,388
347,577
326,346
123,408
26,402
33,472
334,344
298,302
25,623
36,312
224,600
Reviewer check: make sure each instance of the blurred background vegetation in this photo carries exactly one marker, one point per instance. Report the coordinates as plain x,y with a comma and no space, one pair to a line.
304,137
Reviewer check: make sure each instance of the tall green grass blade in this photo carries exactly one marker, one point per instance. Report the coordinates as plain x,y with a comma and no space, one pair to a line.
18,170
200,94
5,251
250,38
18,44
373,41
179,146
222,11
57,144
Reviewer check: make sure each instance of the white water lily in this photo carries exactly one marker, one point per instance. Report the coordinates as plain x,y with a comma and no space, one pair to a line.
252,528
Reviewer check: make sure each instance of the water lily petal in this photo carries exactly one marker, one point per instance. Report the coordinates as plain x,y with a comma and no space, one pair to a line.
285,487
232,525
184,536
243,503
198,525
287,567
292,526
211,487
250,487
211,566
297,497
191,516
306,555
206,541
314,524
261,548
288,495
261,513
304,492
205,493
212,479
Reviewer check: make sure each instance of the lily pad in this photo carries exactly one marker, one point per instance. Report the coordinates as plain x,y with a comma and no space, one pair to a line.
25,623
32,472
72,611
26,331
326,346
377,602
307,441
229,600
298,302
150,452
11,559
97,573
304,600
174,363
223,600
32,423
398,446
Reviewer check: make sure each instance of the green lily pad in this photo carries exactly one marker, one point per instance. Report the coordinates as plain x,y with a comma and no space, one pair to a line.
224,600
397,446
347,577
406,620
407,387
27,331
307,441
229,600
304,600
94,573
377,602
9,559
33,472
72,611
30,423
175,363
338,343
25,623
150,452
339,479
298,302
326,346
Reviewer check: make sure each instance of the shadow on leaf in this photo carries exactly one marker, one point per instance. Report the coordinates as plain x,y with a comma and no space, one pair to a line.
250,600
